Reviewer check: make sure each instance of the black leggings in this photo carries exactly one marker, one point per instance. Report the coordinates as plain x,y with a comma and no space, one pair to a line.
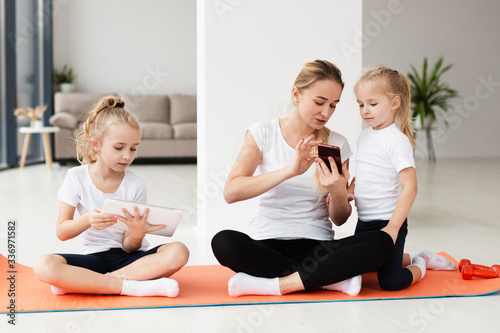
319,263
392,275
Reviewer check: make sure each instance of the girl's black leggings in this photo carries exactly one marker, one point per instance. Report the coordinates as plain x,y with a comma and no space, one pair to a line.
391,275
319,263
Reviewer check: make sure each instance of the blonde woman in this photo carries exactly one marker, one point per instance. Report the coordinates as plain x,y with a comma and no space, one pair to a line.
291,246
111,261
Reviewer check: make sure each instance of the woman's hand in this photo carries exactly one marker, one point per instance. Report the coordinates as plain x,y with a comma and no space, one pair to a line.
303,159
99,220
137,224
332,181
335,184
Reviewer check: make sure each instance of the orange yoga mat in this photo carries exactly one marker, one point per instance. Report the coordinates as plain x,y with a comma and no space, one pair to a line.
207,286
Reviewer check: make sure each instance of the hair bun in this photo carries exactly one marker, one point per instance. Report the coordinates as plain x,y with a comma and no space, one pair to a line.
114,102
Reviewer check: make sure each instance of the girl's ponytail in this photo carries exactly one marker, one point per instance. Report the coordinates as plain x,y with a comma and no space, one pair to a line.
404,111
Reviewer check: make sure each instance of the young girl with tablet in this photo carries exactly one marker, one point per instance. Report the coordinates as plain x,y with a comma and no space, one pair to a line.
112,261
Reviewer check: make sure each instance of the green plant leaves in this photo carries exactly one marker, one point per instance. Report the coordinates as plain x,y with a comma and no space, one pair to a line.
63,76
429,95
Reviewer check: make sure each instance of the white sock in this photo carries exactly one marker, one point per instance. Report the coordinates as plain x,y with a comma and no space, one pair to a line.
57,291
420,263
350,286
434,261
243,284
159,287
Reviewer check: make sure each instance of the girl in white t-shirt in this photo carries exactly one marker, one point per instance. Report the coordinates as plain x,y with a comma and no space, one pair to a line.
291,245
112,261
385,185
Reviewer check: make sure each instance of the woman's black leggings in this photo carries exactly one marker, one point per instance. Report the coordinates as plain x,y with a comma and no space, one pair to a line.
319,263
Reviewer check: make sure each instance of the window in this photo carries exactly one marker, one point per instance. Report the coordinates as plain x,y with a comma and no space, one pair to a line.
25,72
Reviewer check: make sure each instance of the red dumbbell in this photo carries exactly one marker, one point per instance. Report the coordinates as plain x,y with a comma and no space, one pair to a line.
466,262
469,271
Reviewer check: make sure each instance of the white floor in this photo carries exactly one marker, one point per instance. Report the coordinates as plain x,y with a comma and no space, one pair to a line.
454,212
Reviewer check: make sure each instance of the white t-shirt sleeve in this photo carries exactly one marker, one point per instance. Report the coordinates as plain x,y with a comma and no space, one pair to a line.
401,153
258,132
340,141
345,151
69,190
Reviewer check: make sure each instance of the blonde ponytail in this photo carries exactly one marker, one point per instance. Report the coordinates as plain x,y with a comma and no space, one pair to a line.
404,111
110,108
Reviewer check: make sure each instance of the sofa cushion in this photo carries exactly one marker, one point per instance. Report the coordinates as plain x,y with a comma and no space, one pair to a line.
78,104
156,131
182,109
64,120
148,108
185,131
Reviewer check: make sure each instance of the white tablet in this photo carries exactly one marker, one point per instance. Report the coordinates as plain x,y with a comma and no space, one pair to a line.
157,215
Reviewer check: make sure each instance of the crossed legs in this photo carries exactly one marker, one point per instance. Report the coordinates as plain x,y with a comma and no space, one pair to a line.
274,267
169,258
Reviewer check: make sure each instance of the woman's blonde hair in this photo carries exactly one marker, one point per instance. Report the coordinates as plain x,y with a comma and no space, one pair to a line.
109,109
392,84
312,72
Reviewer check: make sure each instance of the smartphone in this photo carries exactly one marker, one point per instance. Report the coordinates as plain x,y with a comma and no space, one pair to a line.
326,150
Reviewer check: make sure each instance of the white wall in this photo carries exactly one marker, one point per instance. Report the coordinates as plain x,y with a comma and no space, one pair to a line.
127,46
253,51
466,34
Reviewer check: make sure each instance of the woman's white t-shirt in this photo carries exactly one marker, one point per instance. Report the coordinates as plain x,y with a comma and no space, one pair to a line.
291,209
381,155
79,191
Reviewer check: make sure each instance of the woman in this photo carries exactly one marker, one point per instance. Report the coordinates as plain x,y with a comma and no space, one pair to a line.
291,247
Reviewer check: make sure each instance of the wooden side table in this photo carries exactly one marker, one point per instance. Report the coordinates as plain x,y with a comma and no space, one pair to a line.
45,131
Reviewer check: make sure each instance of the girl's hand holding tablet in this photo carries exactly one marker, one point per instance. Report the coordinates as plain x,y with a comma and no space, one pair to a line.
100,220
137,224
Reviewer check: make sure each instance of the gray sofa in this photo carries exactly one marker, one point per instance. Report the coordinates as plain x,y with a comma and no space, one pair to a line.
168,123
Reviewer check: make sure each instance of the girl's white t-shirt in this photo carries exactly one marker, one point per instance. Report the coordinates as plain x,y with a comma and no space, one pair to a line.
291,209
79,191
381,155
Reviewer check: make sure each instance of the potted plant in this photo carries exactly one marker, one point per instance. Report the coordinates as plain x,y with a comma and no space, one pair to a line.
64,78
429,94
